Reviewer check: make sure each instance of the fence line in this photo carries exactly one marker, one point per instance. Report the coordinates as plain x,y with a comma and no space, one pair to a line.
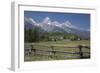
52,52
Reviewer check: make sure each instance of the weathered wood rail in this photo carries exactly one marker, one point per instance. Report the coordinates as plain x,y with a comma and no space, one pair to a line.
52,51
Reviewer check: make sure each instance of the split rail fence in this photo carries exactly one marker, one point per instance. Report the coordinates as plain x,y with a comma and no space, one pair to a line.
51,52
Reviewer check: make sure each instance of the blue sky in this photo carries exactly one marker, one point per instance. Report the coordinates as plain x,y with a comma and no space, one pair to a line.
77,19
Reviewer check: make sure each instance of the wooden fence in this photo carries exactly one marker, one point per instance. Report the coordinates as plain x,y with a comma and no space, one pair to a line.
52,51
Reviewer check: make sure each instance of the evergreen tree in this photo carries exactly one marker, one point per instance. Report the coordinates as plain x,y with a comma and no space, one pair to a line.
36,36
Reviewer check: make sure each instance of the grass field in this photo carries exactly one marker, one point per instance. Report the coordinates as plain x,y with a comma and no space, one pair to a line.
58,46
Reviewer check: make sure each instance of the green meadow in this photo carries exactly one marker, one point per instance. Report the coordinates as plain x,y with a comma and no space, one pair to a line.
61,46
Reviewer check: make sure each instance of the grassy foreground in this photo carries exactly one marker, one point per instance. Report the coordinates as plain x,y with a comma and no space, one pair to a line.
59,46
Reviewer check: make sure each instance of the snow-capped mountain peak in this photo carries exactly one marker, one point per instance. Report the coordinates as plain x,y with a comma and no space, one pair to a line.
46,20
32,20
69,25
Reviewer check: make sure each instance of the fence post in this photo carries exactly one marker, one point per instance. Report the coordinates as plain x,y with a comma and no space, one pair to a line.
33,49
52,51
80,51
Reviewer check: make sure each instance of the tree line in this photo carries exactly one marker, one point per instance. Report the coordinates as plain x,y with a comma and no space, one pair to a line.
33,35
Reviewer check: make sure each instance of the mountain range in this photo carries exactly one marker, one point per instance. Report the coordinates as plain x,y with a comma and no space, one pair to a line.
55,26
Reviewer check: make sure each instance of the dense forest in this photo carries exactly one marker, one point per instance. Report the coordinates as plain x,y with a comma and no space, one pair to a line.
33,35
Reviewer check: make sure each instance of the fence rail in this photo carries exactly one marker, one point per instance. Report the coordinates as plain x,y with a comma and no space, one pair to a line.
52,51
